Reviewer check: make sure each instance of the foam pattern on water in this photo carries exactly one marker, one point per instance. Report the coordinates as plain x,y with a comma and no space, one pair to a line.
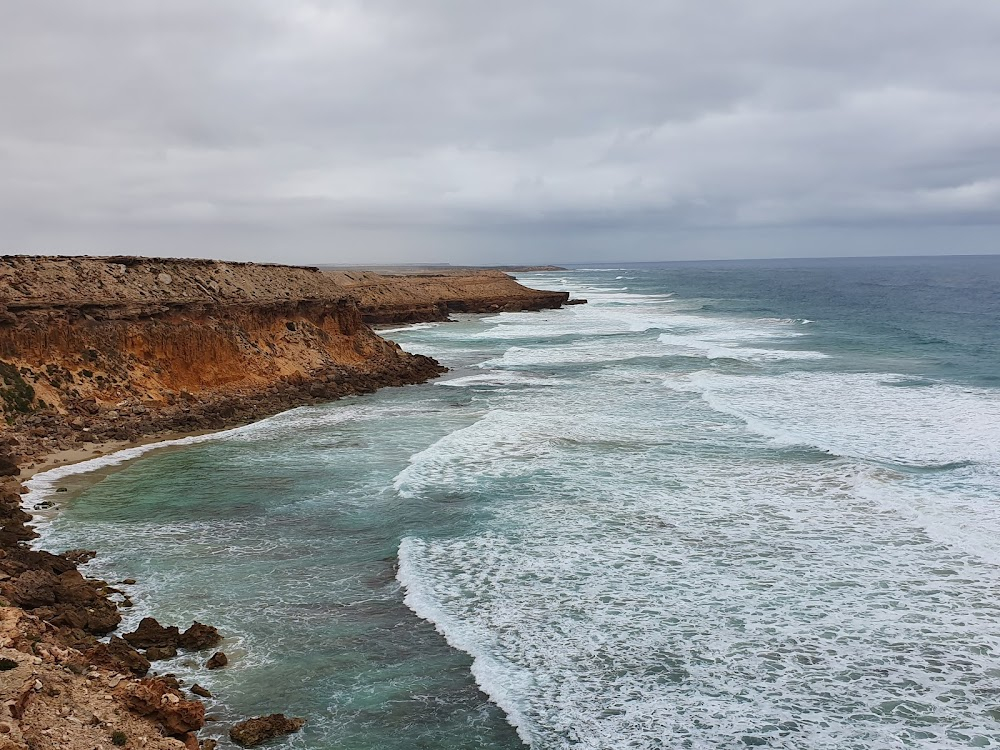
776,606
650,522
743,558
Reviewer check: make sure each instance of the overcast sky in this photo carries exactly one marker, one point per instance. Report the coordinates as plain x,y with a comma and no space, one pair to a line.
512,131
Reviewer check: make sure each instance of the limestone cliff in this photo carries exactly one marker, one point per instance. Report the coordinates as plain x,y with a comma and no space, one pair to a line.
114,347
432,295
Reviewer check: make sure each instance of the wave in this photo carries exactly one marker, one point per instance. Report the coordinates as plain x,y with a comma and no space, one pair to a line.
501,681
407,328
496,379
861,415
702,346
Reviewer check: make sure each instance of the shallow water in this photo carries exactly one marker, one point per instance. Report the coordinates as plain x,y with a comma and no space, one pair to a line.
722,505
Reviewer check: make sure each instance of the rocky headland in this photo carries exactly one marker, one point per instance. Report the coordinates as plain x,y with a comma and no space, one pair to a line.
433,295
109,351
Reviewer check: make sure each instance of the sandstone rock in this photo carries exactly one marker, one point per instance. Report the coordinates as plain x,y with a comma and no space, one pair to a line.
200,691
117,655
217,660
199,637
151,634
34,588
148,697
8,466
260,729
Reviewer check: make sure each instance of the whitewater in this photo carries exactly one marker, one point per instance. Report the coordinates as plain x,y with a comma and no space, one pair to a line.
718,506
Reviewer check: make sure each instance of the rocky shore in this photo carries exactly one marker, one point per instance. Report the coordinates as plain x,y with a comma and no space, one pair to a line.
116,350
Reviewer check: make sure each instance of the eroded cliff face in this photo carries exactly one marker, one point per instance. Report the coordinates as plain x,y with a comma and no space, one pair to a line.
117,347
431,296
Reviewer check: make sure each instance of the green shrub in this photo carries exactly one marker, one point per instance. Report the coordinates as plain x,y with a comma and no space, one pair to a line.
17,395
118,737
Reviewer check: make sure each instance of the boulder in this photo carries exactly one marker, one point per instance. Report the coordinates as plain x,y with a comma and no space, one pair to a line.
217,661
157,700
260,729
199,637
151,634
200,691
117,655
158,653
34,588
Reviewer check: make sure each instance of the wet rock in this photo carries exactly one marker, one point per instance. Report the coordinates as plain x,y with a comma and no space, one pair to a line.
260,729
158,653
151,634
79,556
200,691
170,680
217,661
199,637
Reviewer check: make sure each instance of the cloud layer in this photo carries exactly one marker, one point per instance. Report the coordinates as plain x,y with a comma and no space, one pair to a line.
448,129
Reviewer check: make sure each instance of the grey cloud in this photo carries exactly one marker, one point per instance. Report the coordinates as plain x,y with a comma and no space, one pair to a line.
450,129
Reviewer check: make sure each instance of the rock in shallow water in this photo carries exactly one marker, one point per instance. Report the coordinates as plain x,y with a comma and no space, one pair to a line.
260,729
199,637
151,634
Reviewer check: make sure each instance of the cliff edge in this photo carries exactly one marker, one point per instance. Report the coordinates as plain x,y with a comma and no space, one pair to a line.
95,349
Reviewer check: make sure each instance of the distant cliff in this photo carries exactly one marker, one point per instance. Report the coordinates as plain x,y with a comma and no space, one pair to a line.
432,296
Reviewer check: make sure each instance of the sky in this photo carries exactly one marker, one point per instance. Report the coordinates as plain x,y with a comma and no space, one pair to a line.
522,131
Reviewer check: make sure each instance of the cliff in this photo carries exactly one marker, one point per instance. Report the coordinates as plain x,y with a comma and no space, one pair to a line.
101,348
423,296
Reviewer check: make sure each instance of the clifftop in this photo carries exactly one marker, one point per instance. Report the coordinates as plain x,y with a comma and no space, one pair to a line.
58,281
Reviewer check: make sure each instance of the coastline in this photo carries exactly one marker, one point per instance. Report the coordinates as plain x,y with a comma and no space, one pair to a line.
164,359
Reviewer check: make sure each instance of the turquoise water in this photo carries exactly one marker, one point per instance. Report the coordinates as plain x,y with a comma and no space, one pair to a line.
722,505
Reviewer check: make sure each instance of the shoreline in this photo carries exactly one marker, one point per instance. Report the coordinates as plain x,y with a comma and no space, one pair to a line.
73,456
171,352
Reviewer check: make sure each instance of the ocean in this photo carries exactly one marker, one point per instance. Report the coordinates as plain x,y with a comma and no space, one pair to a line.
723,505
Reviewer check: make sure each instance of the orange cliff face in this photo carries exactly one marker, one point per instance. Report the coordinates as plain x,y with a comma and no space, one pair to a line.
114,347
